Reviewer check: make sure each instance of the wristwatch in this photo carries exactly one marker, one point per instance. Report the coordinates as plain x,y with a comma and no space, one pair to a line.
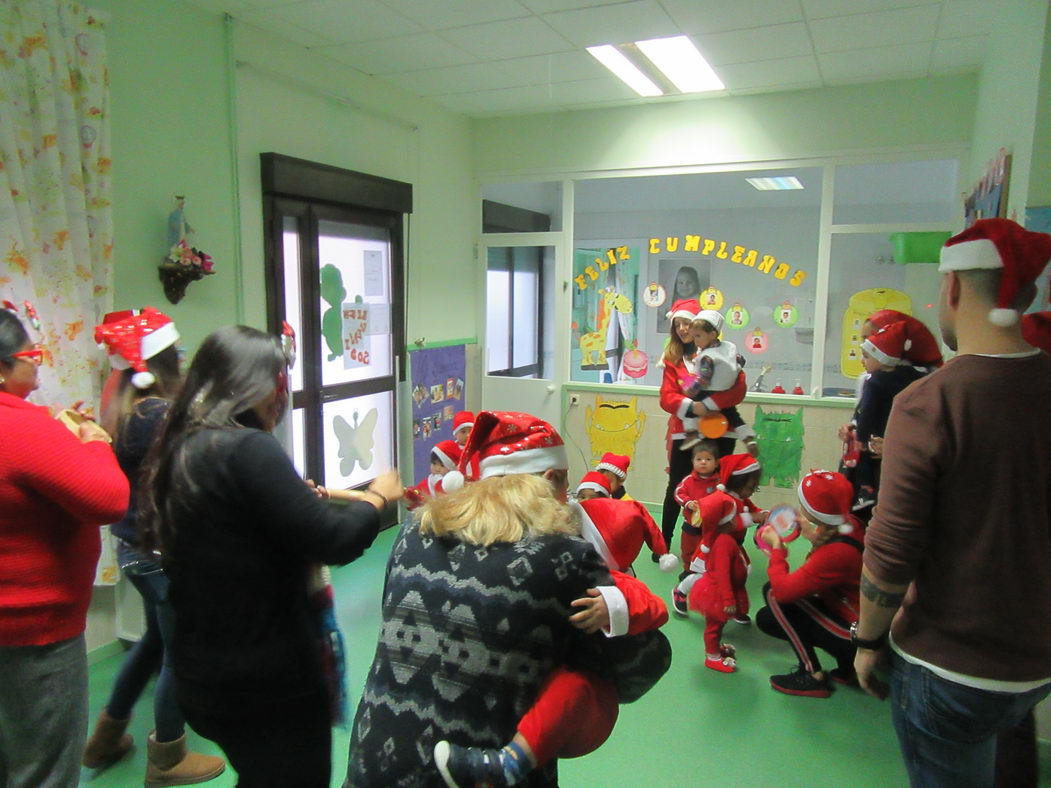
872,645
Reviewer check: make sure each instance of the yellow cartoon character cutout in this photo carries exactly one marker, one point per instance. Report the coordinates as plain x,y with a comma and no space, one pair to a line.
613,426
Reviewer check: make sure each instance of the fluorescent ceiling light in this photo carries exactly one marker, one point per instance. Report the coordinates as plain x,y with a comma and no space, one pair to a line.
628,72
680,61
775,184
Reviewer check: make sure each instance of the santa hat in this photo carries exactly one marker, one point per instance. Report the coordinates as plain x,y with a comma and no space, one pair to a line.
593,480
713,511
463,419
617,464
132,337
826,496
889,344
619,529
1036,330
502,443
684,307
448,453
1000,245
712,318
735,465
924,351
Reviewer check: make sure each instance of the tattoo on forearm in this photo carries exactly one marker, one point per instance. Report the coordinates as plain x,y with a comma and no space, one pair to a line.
878,596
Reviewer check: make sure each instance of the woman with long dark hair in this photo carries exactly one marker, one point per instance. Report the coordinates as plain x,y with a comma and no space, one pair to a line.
56,489
142,346
240,534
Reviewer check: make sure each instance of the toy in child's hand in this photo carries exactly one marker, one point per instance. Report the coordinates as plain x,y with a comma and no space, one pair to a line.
714,425
851,450
72,418
785,523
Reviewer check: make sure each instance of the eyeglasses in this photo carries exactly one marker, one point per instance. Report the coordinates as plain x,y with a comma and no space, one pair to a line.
34,355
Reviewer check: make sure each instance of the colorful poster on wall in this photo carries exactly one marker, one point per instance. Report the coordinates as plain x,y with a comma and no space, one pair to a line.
613,425
859,307
780,438
737,316
605,321
437,376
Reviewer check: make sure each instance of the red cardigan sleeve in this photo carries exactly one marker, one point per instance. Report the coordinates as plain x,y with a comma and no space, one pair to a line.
82,478
646,610
826,568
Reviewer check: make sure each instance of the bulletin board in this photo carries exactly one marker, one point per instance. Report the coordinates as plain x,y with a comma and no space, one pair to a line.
438,394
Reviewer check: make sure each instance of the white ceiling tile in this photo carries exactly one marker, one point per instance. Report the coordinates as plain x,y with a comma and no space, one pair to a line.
488,101
547,6
715,16
507,39
965,18
879,63
404,53
817,9
455,79
585,91
615,24
440,14
285,29
346,21
757,43
885,28
957,53
556,67
770,73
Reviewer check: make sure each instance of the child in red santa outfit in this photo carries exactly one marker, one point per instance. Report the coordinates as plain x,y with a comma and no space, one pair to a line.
593,485
444,458
615,468
739,479
462,423
702,482
815,606
575,711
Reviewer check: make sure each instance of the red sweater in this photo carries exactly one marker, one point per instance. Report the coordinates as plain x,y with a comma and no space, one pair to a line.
723,584
831,572
676,403
54,493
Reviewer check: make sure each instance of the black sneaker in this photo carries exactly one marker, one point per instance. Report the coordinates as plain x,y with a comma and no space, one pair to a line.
844,676
800,682
744,619
678,602
463,767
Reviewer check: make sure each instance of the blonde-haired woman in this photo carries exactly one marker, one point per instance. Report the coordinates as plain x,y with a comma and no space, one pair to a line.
476,610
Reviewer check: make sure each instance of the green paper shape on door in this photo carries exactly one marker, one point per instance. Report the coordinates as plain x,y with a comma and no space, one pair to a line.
332,293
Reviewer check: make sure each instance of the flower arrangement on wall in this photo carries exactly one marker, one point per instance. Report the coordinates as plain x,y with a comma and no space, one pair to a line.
184,263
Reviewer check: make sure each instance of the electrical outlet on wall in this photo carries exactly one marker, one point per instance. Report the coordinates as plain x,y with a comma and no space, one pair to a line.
574,399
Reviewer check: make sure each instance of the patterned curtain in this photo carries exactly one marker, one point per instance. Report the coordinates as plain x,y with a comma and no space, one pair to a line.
56,231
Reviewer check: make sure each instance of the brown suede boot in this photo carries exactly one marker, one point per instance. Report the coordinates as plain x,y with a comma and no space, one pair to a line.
108,744
170,763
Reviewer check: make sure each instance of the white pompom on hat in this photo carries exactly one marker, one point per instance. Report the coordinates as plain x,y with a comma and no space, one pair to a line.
999,244
132,337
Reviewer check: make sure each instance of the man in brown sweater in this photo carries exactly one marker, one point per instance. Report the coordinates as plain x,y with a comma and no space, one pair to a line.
957,555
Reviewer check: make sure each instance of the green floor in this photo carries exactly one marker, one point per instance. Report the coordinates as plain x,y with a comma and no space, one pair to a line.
696,727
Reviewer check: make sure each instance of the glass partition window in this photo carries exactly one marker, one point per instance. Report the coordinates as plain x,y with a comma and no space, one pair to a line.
910,192
517,289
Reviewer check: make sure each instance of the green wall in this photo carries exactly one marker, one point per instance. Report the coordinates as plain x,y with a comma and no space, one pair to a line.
1040,169
910,114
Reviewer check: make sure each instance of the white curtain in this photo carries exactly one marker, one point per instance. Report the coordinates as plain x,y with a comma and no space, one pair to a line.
56,230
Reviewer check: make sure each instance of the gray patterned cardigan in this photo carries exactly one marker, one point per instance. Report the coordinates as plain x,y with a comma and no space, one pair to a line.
468,636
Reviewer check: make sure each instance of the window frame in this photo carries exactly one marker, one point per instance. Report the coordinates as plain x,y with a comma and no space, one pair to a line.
535,368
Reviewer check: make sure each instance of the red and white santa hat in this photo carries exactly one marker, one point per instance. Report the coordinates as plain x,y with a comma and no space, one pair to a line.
463,419
889,344
1036,330
617,464
999,244
448,453
502,443
619,529
735,465
713,511
684,307
826,496
133,336
593,480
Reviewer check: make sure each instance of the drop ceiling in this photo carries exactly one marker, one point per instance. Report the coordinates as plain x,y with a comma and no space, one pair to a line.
496,57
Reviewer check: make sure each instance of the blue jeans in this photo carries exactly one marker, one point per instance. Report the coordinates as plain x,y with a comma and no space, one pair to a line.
43,714
947,731
152,653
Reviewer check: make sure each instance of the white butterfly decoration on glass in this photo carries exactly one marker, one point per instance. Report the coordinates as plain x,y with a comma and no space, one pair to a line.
356,442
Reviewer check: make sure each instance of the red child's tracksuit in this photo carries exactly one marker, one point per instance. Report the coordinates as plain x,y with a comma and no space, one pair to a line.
693,488
721,585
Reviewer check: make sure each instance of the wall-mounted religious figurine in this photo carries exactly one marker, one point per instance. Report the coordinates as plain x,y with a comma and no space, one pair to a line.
757,341
786,315
859,307
613,426
654,295
711,298
737,316
780,438
184,263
